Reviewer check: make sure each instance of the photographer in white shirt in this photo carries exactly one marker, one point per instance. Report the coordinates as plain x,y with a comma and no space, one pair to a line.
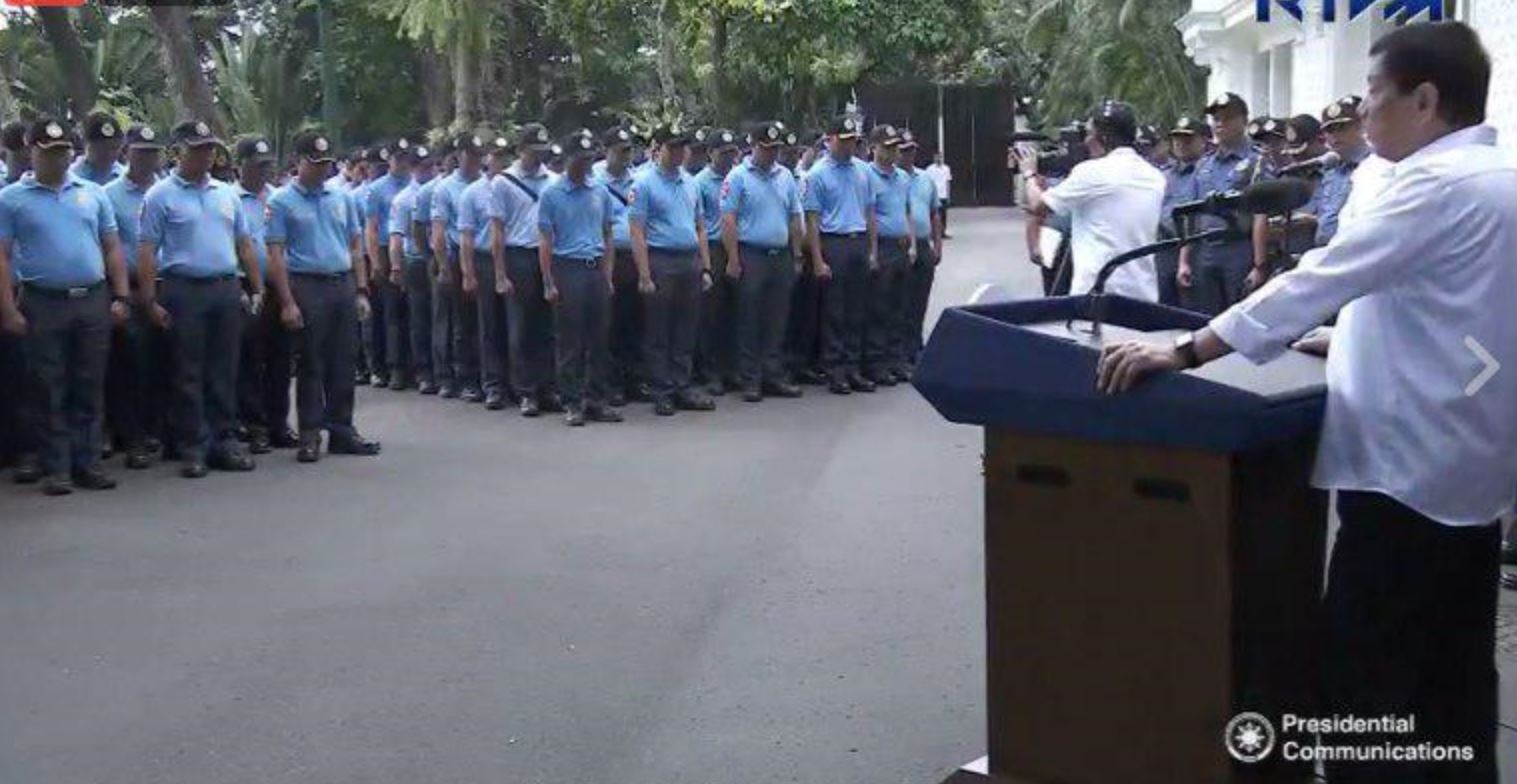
1418,441
1113,201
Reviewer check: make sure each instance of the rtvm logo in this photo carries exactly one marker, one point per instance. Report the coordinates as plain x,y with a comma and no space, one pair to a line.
1393,8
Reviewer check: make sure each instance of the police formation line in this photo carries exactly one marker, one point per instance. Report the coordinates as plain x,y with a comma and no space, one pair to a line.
162,311
1230,152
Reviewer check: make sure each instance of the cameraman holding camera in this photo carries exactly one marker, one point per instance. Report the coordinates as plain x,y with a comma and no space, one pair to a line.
1113,202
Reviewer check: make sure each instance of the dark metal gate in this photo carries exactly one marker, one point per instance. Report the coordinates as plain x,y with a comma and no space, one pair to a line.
976,125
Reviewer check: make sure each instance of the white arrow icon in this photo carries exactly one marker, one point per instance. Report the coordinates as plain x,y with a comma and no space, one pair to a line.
1491,366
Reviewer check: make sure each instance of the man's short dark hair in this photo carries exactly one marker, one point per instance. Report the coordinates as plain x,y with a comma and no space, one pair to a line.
1447,55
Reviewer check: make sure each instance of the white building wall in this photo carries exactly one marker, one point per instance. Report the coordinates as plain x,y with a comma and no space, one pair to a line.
1322,62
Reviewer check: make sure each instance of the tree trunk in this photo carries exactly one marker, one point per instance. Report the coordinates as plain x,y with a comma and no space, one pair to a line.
718,83
437,86
666,55
73,63
180,51
465,78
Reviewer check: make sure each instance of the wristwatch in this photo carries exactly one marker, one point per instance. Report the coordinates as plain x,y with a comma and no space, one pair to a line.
1185,349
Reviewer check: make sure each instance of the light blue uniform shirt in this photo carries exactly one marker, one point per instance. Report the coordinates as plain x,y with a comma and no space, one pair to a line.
55,236
923,199
403,222
474,215
194,226
1332,193
255,211
620,189
445,203
82,169
892,192
316,228
126,202
840,193
379,197
708,183
516,210
667,207
765,203
576,217
421,209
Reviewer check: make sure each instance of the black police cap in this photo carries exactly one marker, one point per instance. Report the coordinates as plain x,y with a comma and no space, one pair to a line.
1190,126
143,137
703,136
722,139
49,133
99,126
908,139
670,133
843,127
768,134
314,146
533,136
884,135
1344,110
379,152
254,148
1301,130
194,133
468,142
578,144
1228,101
618,136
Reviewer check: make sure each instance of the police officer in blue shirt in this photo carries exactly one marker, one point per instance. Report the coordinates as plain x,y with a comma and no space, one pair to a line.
715,347
838,196
673,268
1345,136
1187,141
514,238
263,383
439,331
407,240
386,277
927,228
615,173
194,234
136,388
485,278
761,231
885,325
454,318
373,345
575,252
1213,275
102,150
313,240
58,238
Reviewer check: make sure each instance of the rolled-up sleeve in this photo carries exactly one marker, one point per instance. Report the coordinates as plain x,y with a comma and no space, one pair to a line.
1382,244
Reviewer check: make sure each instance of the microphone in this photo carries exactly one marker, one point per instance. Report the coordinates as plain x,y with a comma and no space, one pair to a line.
1271,197
1326,160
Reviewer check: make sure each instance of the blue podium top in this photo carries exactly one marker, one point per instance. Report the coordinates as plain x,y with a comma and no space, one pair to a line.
1030,366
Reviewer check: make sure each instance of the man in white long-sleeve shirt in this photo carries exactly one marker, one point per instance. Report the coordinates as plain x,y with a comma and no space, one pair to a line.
1420,446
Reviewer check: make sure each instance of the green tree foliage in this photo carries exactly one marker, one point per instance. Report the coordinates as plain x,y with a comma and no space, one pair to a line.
406,65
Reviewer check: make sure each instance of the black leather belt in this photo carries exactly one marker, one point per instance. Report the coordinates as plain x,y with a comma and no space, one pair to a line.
763,251
72,292
849,236
592,262
321,275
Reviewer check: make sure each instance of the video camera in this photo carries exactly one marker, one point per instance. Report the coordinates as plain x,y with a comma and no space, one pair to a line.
1057,155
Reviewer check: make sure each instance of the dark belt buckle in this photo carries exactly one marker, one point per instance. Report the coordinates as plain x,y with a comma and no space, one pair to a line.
78,292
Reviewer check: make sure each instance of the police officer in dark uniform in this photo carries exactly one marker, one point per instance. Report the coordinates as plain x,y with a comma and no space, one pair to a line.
839,201
1187,142
407,240
575,255
263,385
58,238
391,315
927,227
1345,136
1212,275
715,360
313,240
136,380
102,150
761,231
453,309
885,321
674,267
194,234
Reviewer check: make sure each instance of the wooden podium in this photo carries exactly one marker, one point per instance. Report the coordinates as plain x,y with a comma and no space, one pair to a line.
1153,560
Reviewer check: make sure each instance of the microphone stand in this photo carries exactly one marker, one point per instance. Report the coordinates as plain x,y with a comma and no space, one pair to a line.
1097,310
